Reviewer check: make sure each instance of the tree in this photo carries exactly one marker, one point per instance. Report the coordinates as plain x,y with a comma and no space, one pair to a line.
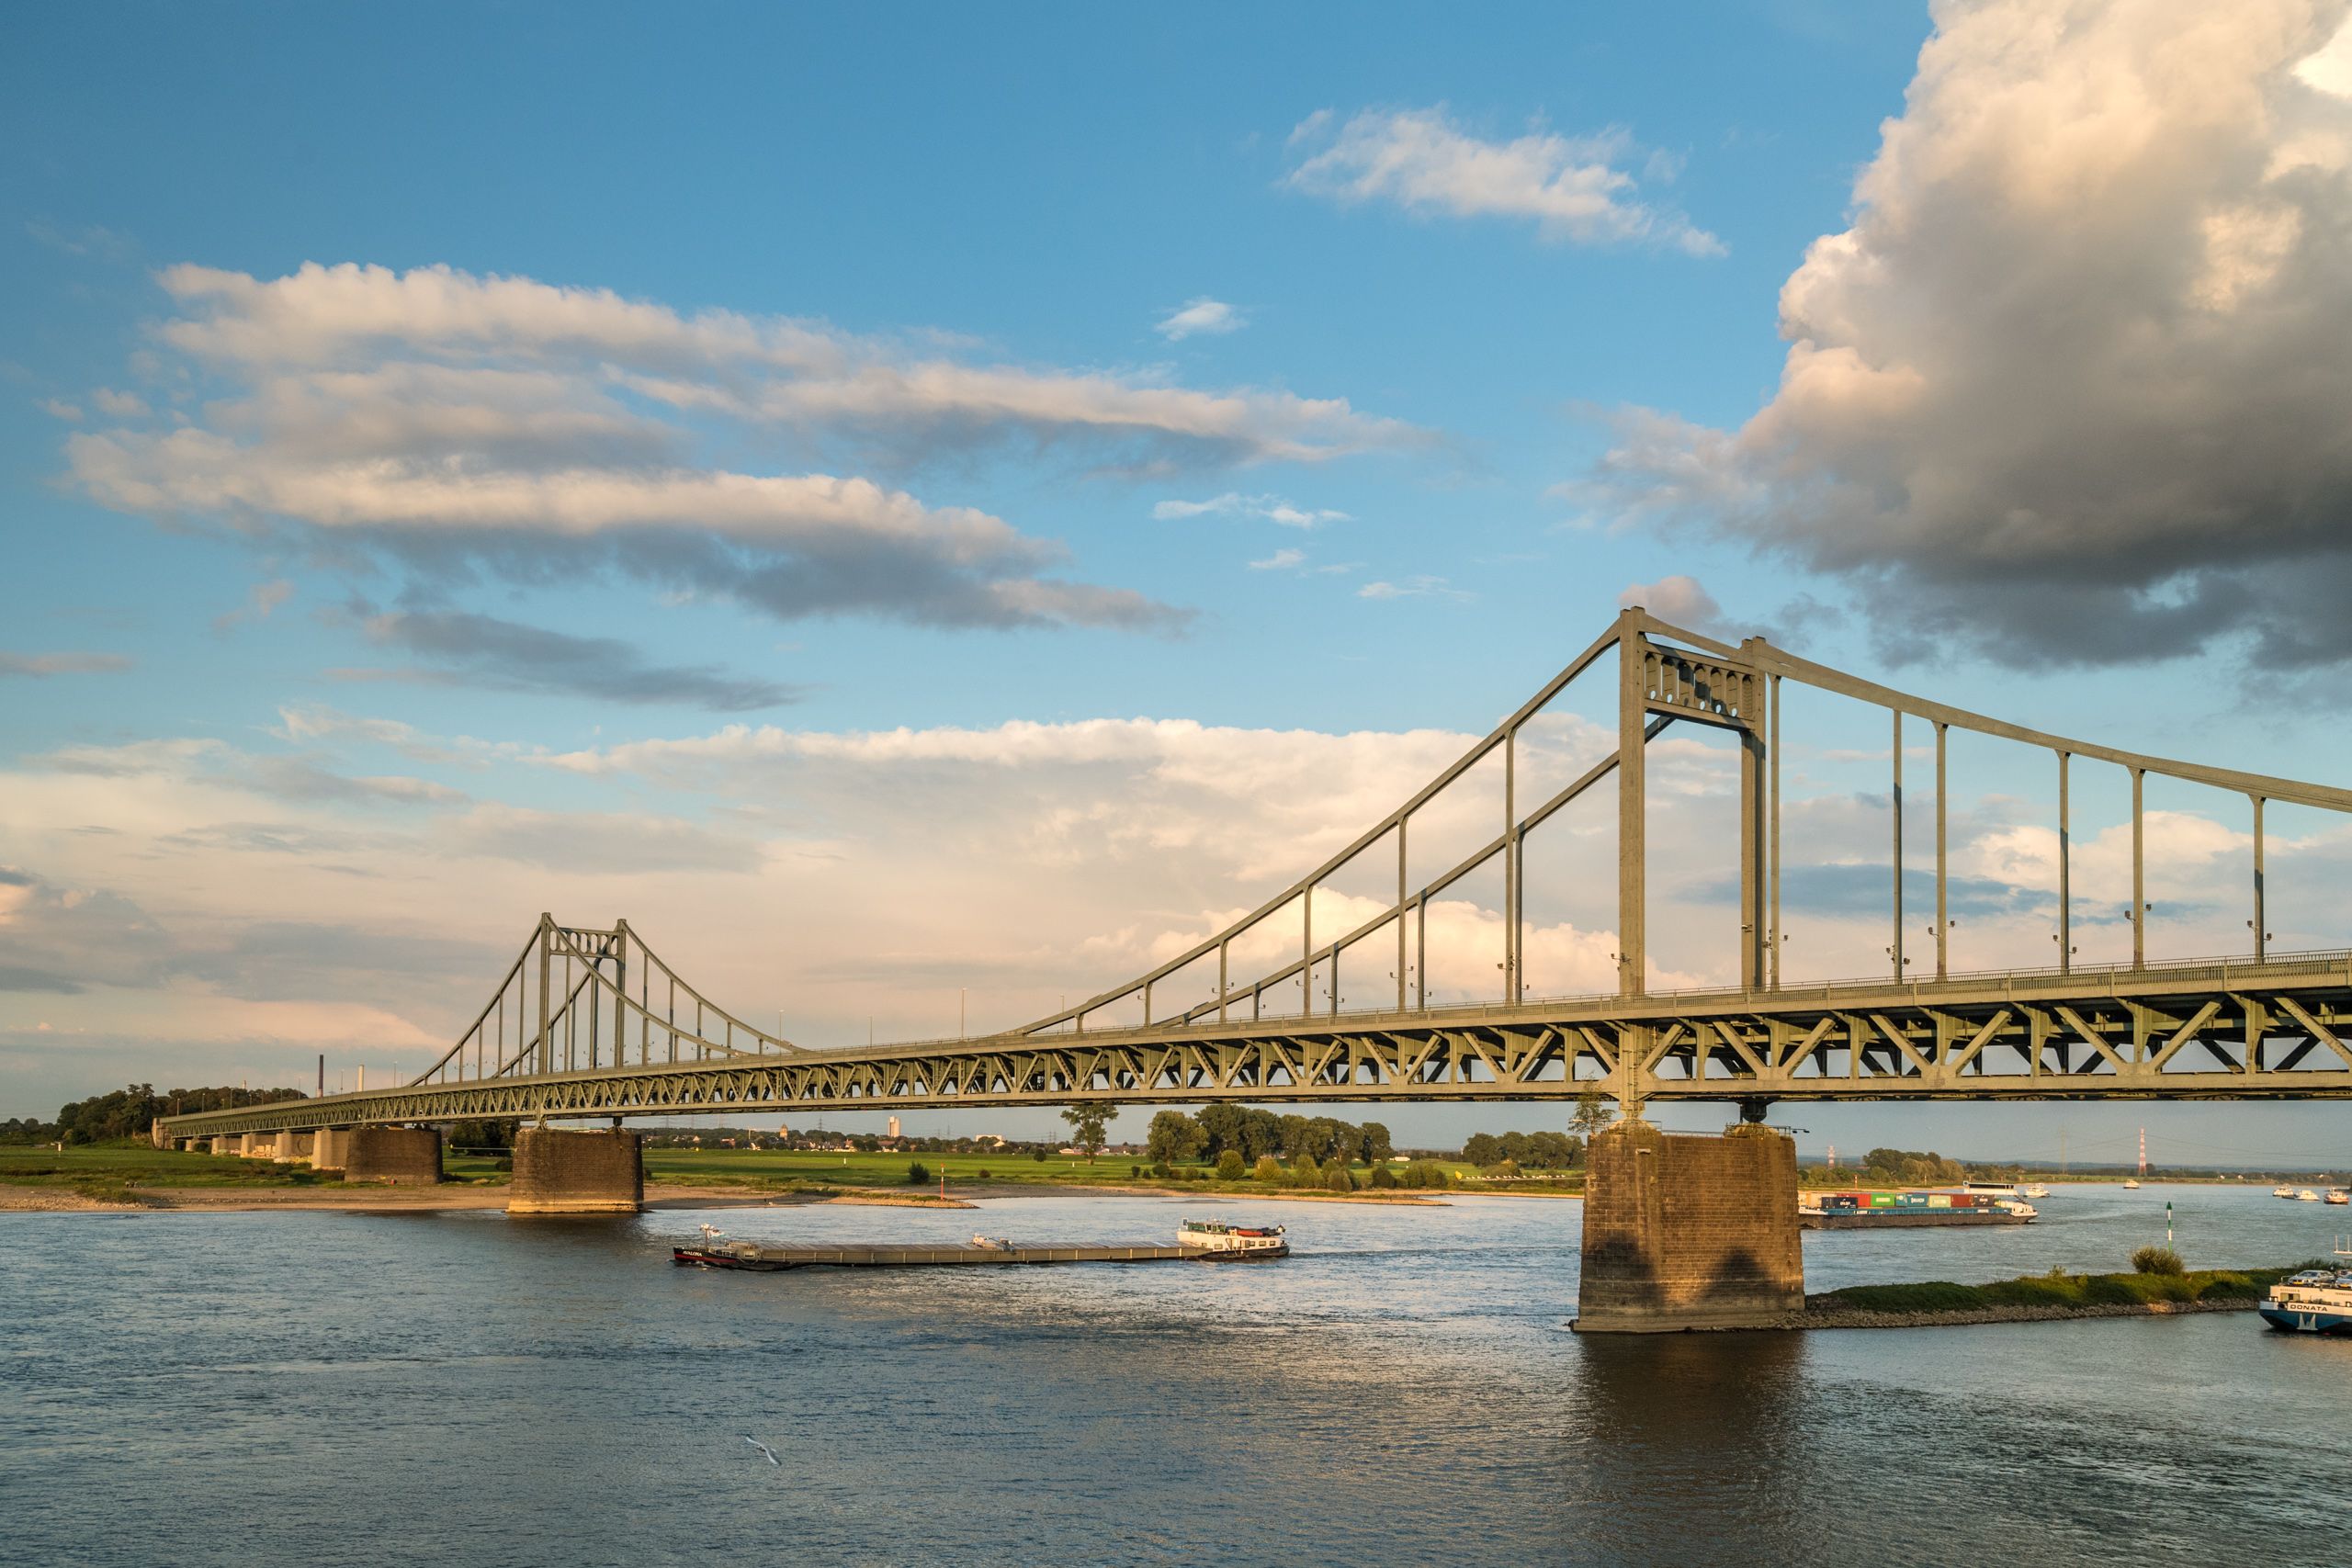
1592,1115
489,1136
1262,1133
1548,1150
918,1173
1175,1136
1482,1149
1269,1170
1516,1148
1221,1128
1376,1146
1089,1125
1337,1178
1229,1166
1293,1139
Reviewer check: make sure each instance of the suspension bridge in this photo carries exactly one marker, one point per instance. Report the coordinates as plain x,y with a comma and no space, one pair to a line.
589,1021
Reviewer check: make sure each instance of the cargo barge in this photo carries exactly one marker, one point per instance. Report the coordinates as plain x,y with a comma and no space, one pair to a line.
1899,1211
1196,1242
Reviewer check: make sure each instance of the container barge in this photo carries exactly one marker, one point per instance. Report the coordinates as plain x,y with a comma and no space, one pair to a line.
1898,1211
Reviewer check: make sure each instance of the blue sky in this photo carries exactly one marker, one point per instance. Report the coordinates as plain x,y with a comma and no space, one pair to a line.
406,414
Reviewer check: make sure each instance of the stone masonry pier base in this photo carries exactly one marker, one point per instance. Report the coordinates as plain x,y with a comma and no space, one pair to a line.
1690,1231
576,1173
401,1157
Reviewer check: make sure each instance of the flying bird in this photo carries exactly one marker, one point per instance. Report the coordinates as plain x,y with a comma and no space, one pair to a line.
766,1452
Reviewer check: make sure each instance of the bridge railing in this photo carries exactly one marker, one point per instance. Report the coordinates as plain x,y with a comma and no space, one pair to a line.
2075,979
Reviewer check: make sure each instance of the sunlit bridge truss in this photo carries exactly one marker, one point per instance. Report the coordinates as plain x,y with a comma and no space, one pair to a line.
588,1022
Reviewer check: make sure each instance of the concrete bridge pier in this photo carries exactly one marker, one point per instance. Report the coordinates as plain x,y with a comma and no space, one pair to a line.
1684,1232
293,1148
228,1145
560,1172
398,1156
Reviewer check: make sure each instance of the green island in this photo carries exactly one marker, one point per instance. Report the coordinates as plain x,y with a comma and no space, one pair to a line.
2156,1283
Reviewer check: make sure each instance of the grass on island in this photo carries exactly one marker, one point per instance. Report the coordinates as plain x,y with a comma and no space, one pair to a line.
2058,1289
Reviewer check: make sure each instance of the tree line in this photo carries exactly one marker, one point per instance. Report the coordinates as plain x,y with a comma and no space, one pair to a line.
1252,1135
128,1111
1528,1150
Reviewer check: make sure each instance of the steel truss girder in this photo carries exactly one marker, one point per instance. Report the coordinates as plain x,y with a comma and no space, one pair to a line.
2243,1033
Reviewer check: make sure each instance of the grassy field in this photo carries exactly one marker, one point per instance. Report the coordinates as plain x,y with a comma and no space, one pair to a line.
111,1170
108,1170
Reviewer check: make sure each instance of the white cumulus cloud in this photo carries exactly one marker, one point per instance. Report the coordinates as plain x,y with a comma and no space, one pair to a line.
2072,384
1203,317
1268,508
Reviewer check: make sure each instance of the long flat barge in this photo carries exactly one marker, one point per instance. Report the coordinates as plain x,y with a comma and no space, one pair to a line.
1204,1241
768,1259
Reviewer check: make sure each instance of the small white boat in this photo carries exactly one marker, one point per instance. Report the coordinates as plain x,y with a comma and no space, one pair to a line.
2025,1212
2129,1185
992,1243
2307,1196
2282,1191
2339,1195
2037,1191
1215,1239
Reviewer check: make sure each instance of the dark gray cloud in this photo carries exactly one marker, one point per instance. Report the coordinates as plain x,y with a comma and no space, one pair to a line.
464,648
2073,388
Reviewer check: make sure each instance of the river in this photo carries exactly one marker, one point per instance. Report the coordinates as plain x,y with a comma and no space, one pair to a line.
320,1389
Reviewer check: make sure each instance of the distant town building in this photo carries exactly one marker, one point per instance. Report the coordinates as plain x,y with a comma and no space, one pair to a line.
894,1126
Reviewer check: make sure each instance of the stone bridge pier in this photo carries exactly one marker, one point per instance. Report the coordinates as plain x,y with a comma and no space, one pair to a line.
398,1156
1686,1232
563,1172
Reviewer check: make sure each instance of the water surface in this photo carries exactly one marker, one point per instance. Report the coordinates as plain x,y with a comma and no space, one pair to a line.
320,1389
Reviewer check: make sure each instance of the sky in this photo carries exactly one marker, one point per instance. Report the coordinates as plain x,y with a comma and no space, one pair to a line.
925,513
